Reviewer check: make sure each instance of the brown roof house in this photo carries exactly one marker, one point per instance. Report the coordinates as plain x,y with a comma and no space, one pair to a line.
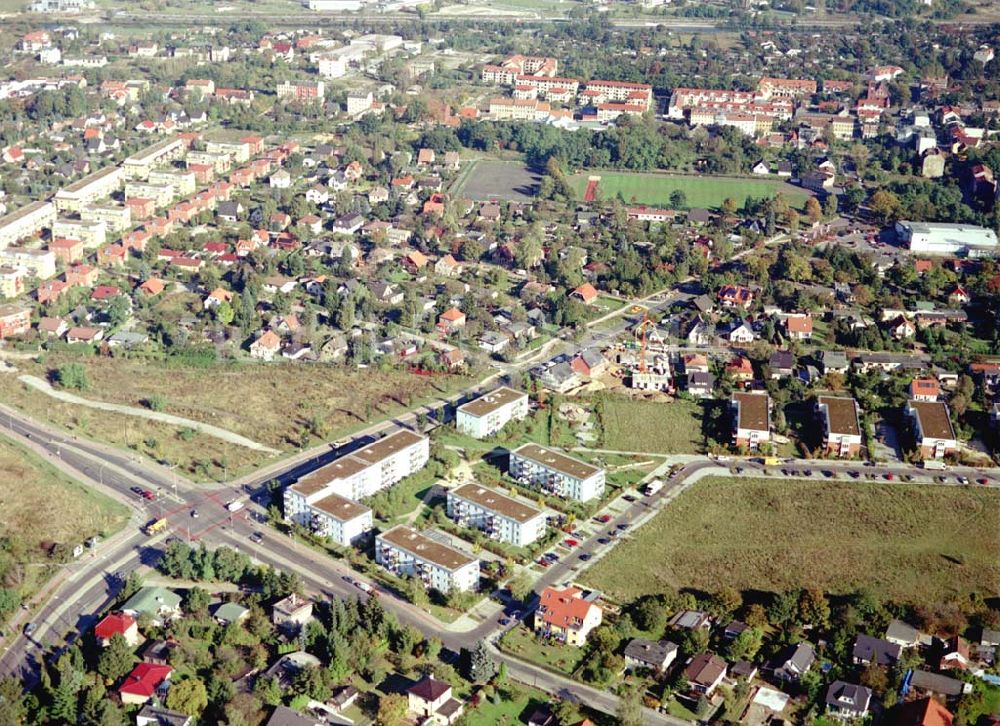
431,699
266,346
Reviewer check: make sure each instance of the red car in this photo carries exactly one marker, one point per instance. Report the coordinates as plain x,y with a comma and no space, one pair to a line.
571,543
148,495
604,518
543,562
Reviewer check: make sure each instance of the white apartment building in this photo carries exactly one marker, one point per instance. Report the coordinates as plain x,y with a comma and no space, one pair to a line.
332,66
359,101
161,194
363,472
40,263
405,552
102,183
309,503
141,163
555,473
239,150
501,517
183,182
116,218
489,413
92,234
26,221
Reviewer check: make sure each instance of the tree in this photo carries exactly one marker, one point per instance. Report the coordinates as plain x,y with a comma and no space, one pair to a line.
629,709
392,710
72,376
12,708
224,313
746,645
729,205
813,210
885,206
521,586
830,205
814,608
678,199
116,660
482,667
197,600
189,696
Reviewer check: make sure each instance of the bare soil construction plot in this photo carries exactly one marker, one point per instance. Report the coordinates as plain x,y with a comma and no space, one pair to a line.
510,181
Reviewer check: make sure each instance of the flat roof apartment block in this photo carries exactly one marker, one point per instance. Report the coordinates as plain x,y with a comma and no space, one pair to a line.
489,413
355,476
841,425
406,552
933,432
142,162
26,221
102,183
752,420
555,473
500,516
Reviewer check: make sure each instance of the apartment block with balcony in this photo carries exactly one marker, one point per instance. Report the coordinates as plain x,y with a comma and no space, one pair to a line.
116,218
141,163
555,473
500,516
489,413
751,420
841,425
932,430
92,234
405,552
26,221
342,520
99,185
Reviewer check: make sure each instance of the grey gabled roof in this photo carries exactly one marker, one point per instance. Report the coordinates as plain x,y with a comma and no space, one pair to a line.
848,696
936,683
876,650
649,651
898,630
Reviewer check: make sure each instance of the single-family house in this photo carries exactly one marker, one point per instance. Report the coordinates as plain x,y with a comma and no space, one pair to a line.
705,672
566,615
653,655
869,649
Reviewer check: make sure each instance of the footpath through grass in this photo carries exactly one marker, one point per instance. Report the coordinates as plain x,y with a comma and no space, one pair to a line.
909,542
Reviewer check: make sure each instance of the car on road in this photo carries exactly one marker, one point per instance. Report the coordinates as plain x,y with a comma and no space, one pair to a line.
983,480
853,474
623,526
584,557
148,494
603,541
194,514
341,443
138,491
628,498
571,543
603,518
808,472
29,629
364,586
963,480
256,538
889,476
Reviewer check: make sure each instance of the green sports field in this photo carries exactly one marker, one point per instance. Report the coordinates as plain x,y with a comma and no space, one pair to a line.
701,191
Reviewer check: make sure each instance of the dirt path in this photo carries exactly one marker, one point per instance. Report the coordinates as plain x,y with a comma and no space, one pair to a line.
214,431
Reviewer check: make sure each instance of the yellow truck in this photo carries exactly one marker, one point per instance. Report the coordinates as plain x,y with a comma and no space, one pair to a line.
155,527
771,461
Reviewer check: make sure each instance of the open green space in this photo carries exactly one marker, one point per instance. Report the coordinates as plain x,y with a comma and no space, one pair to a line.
916,543
522,642
651,426
700,191
44,514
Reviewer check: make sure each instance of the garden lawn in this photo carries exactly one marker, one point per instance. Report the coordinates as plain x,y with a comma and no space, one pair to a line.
650,426
700,191
916,543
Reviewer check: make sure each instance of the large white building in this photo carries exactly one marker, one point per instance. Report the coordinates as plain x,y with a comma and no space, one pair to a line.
406,552
963,240
40,263
142,162
102,183
491,412
555,473
370,469
26,221
501,517
309,503
92,234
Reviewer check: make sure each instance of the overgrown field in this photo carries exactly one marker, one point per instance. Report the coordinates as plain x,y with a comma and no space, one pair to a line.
700,191
281,405
915,543
40,508
651,426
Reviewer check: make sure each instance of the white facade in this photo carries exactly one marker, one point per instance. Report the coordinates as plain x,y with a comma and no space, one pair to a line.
328,515
368,470
332,66
41,263
406,552
26,221
928,238
503,518
555,473
489,413
92,234
92,187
